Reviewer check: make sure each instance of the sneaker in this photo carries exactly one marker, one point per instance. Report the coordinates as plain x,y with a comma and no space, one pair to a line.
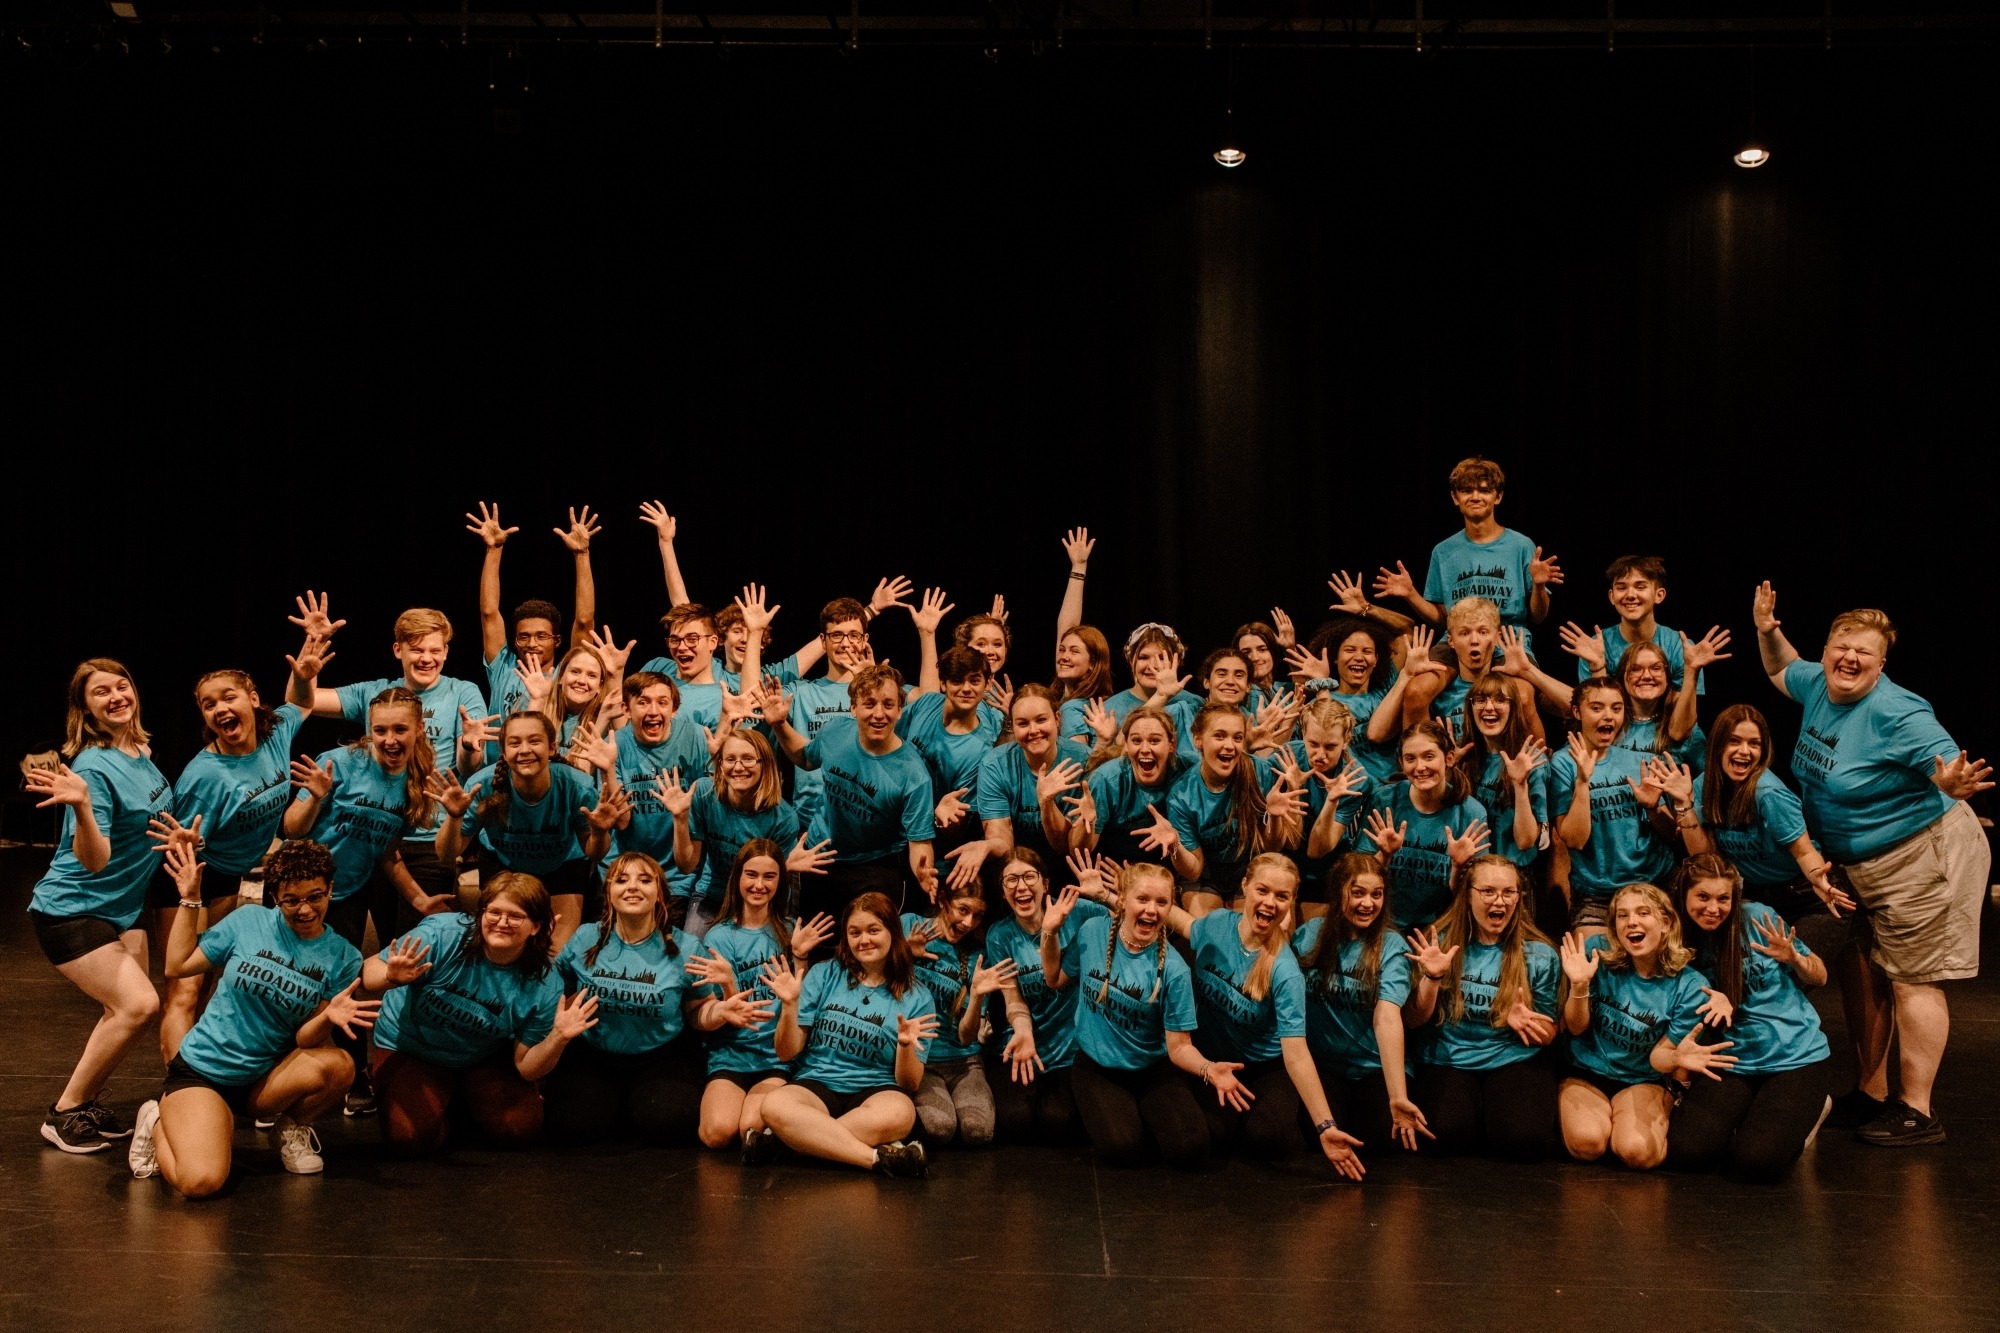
298,1148
902,1159
1854,1108
262,1124
141,1157
1825,1110
759,1147
73,1131
1901,1126
109,1125
360,1101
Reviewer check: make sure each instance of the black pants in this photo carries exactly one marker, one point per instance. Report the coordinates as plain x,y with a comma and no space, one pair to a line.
1121,1108
842,884
593,1094
1756,1123
1040,1112
1360,1106
1510,1111
1270,1128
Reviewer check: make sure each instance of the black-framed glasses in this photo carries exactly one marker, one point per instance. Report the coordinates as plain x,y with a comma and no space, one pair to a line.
310,900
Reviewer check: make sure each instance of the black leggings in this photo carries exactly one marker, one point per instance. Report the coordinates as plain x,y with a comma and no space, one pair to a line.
1121,1107
1510,1111
1756,1123
1360,1105
1270,1128
592,1094
1040,1112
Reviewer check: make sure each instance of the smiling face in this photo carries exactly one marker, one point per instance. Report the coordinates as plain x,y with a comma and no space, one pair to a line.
963,696
1743,751
758,883
1148,664
392,731
876,712
535,638
1634,596
111,699
423,659
1025,890
1363,900
1148,747
1258,654
1639,926
1424,765
1354,660
1035,727
652,713
1853,663
1229,680
505,929
581,680
524,744
961,916
735,643
1709,901
1269,893
303,903
1495,892
1476,503
1492,710
742,766
691,644
990,643
846,644
1072,658
1220,742
230,712
1645,672
867,939
633,889
1325,747
1602,717
1144,907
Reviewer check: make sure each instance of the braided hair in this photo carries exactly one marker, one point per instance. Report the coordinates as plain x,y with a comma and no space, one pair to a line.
493,810
1129,876
417,801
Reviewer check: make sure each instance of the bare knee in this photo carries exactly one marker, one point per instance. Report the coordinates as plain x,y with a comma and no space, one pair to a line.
715,1132
1638,1148
202,1182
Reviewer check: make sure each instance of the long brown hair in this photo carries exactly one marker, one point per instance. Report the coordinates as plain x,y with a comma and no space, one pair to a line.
266,719
1336,930
525,892
1115,747
1246,798
898,969
607,923
1665,708
1456,785
1727,973
1456,927
974,892
1725,802
422,766
1510,740
1096,682
556,710
732,892
80,728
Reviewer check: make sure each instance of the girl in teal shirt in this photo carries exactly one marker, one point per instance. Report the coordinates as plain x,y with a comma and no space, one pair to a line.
1425,826
955,1101
741,802
1226,810
1501,763
1595,790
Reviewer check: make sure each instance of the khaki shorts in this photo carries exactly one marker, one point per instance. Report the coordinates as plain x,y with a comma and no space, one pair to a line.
1923,898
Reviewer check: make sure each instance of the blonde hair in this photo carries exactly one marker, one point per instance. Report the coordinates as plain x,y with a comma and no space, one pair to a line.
1470,610
418,621
1258,984
1673,957
81,729
1864,619
556,710
1329,714
1128,877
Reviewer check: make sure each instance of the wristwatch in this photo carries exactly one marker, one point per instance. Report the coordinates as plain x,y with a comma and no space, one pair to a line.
1323,1126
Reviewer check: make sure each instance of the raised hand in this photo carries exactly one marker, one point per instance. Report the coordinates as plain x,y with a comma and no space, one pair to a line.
776,704
804,860
347,1011
809,935
757,616
1339,786
1417,646
1543,571
605,644
912,1031
1764,608
1510,658
1646,788
1059,908
966,859
1077,545
535,681
1673,778
1779,942
407,959
1057,778
663,523
1169,682
1586,648
1159,836
951,807
1462,847
485,525
442,787
1388,838
183,869
613,808
1093,880
999,608
1287,635
1578,963
1428,955
986,980
311,658
1023,1061
593,748
677,799
1229,1090
1000,694
575,1015
1716,1011
1100,721
736,708
169,832
1276,717
782,979
712,969
922,934
1287,798
1582,756
743,1010
1962,776
1531,756
930,613
475,733
582,527
1696,1058
890,592
1339,1146
1083,810
1347,593
313,617
1308,665
1533,1027
1395,582
317,780
1698,654
1406,1121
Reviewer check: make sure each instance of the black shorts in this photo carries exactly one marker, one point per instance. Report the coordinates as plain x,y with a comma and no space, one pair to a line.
839,1104
163,892
181,1075
750,1079
1611,1087
64,939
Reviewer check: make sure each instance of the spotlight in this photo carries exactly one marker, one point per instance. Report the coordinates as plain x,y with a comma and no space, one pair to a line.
1231,157
1751,156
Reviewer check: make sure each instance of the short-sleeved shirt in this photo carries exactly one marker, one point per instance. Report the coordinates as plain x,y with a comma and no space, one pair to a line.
851,1028
1762,851
785,670
534,837
1071,724
1497,570
953,759
640,768
1349,814
1053,1011
1776,1027
1126,1026
1007,788
815,702
701,702
1250,1027
1181,707
1623,849
640,988
1642,735
365,814
875,805
946,974
1420,871
1474,1043
442,723
1864,769
1630,1014
722,829
505,689
1383,762
465,1009
268,982
1490,791
1668,641
1204,819
730,1048
241,798
1340,1010
126,793
1121,808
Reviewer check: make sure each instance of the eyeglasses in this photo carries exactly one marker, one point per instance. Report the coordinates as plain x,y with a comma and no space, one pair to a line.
310,900
1021,880
539,636
686,640
1498,895
500,918
845,636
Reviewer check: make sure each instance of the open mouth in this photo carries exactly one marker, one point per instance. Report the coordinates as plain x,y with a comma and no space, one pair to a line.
1363,916
1635,939
1265,918
1606,732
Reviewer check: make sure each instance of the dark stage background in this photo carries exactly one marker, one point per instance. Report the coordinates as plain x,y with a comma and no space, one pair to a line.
276,319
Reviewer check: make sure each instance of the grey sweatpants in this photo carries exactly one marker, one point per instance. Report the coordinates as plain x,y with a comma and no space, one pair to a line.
955,1101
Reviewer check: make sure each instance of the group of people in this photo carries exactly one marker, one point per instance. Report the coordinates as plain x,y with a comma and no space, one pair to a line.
1426,880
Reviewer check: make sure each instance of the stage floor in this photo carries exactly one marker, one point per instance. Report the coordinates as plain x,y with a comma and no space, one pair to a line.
1017,1238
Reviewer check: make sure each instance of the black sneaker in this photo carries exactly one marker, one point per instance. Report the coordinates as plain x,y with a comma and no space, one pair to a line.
1901,1126
902,1159
361,1101
1853,1109
109,1125
73,1130
759,1146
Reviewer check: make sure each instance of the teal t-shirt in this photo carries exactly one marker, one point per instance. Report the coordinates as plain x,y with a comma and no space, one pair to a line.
1006,788
1420,871
1864,769
743,1050
1668,641
1383,763
1776,1027
1490,792
640,988
268,982
1127,1028
464,1009
1762,852
1070,723
126,793
1642,734
815,702
507,693
721,829
851,1029
442,723
1053,1011
535,837
875,805
1205,819
640,768
1474,1043
241,798
1497,570
1340,1011
1630,1014
953,759
1623,849
1252,1028
1349,814
1181,707
365,814
945,974
785,669
1121,808
701,703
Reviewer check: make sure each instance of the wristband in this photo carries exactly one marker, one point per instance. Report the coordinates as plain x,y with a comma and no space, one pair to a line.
1076,574
1579,995
194,903
1322,1127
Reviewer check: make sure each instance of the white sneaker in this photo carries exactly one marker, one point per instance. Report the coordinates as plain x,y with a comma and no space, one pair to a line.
262,1124
298,1148
141,1157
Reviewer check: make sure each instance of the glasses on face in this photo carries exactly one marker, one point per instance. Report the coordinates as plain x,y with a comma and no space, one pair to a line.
538,636
845,636
1020,880
310,900
1497,895
685,640
499,917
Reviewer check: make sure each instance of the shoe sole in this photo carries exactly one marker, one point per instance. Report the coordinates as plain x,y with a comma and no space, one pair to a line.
114,1137
1901,1140
80,1149
304,1170
354,1113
